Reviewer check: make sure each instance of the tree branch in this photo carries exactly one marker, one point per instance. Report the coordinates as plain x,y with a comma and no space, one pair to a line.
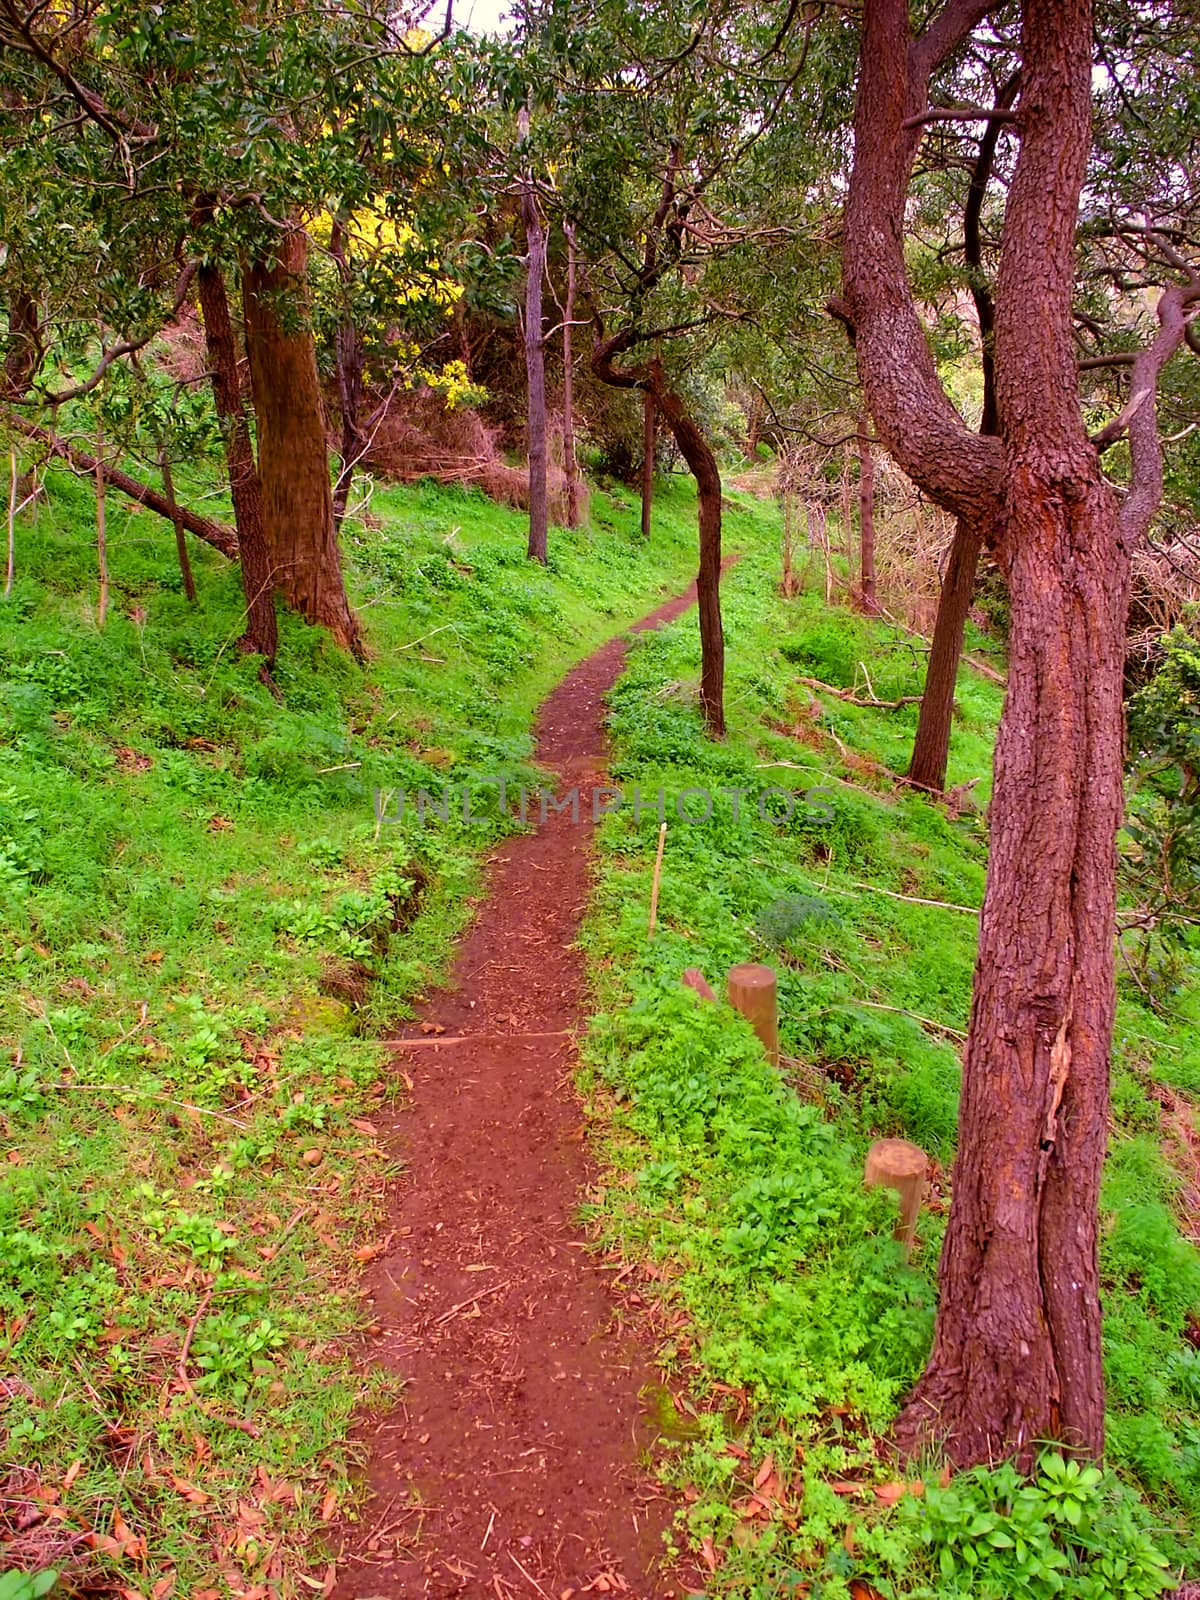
1145,446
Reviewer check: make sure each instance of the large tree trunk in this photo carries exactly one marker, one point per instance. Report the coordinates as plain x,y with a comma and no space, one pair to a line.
535,362
293,462
570,460
1016,1355
931,747
648,430
695,450
261,636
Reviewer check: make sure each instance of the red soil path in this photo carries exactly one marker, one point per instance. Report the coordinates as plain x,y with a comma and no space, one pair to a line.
511,1466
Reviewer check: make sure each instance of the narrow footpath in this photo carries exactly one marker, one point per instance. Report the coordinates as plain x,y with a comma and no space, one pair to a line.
514,1463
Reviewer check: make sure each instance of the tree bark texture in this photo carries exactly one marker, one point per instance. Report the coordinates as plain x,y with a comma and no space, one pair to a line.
261,635
931,746
1016,1354
293,462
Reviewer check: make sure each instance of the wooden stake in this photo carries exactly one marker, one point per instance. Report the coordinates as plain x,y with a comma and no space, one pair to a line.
752,991
899,1165
662,839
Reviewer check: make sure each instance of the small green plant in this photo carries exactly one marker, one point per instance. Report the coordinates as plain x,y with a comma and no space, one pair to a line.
26,1585
1070,1531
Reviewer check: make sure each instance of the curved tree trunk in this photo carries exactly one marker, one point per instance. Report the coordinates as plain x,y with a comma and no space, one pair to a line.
293,463
262,635
931,747
702,462
1016,1354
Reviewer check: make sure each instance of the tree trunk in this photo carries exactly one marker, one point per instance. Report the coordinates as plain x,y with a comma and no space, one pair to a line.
23,349
181,549
648,430
1016,1356
703,465
293,461
261,636
570,460
931,747
214,533
535,362
866,518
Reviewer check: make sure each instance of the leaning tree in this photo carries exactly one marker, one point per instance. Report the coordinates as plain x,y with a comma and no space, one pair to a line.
1016,1354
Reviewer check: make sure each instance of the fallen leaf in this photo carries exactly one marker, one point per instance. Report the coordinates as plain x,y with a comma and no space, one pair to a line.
863,1591
708,1553
764,1471
889,1493
368,1252
71,1474
329,1503
848,1488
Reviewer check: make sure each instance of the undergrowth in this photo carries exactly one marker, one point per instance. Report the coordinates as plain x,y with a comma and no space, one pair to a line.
205,928
786,1311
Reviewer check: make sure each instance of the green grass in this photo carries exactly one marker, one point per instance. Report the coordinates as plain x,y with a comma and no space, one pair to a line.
186,864
794,1323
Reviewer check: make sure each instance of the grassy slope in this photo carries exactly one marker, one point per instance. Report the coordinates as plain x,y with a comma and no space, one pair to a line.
783,1302
184,1116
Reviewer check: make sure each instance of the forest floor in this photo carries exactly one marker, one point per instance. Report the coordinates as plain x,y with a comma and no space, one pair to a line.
511,1464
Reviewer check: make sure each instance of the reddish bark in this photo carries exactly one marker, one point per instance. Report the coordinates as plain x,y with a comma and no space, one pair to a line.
293,462
261,635
931,746
1016,1355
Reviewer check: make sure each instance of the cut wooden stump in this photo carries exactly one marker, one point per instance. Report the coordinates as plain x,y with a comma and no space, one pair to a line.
899,1165
752,991
695,979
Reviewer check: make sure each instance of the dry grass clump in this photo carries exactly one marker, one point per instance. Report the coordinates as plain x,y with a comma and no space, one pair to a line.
419,438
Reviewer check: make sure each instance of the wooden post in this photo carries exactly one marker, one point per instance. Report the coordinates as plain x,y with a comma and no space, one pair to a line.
751,990
662,839
901,1166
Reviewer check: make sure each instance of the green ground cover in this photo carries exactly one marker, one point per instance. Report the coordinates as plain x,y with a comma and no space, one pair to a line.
204,930
788,1312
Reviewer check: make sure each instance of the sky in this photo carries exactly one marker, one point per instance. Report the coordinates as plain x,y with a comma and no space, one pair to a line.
483,16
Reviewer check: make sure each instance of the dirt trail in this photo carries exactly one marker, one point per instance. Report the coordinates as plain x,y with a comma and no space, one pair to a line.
511,1466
